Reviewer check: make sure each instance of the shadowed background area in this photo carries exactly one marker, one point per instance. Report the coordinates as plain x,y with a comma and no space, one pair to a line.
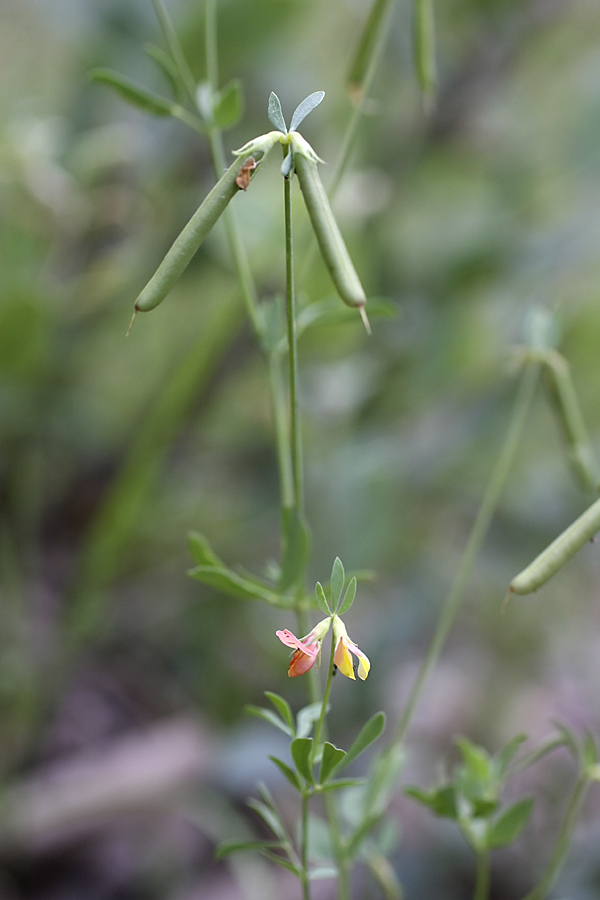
124,750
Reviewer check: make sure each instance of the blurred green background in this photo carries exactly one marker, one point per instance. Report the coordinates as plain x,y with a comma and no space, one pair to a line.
124,750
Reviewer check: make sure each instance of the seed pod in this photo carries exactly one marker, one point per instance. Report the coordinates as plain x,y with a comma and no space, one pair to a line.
559,552
562,394
331,243
186,245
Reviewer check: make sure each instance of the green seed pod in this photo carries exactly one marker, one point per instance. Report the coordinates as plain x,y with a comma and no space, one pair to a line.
331,243
185,246
566,407
559,552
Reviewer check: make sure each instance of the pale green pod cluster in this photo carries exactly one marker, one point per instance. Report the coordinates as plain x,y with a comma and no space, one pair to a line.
559,552
185,246
331,243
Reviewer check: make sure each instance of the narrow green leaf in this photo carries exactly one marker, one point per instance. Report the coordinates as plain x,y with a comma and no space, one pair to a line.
339,783
133,93
441,800
172,41
296,547
348,598
504,757
338,577
269,716
307,717
233,584
483,807
287,772
275,113
368,733
301,750
229,847
477,761
589,750
332,755
227,105
270,816
304,108
168,68
281,861
361,832
322,599
202,552
367,46
510,824
424,48
282,707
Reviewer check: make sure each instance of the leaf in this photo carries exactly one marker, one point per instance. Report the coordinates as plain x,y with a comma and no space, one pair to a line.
301,750
367,46
589,750
332,755
227,105
348,598
168,68
270,816
322,599
338,577
234,585
287,772
477,761
306,718
282,707
275,113
304,108
424,47
229,847
504,757
281,861
132,93
441,801
174,46
269,716
296,547
368,733
509,825
340,783
202,552
483,807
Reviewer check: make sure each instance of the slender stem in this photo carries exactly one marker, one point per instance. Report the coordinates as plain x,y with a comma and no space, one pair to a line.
296,440
482,882
304,848
282,439
563,841
478,532
211,45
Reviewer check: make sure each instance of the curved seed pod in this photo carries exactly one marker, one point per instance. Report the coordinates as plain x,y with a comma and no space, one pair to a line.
186,245
331,243
559,552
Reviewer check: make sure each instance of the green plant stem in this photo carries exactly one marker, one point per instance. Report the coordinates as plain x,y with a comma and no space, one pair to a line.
359,108
304,848
296,440
563,841
478,532
482,881
211,44
282,439
325,701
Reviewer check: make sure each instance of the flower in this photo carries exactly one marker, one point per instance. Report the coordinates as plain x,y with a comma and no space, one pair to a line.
343,648
307,650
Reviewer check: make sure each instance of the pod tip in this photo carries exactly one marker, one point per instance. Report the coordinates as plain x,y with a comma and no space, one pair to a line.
135,312
365,319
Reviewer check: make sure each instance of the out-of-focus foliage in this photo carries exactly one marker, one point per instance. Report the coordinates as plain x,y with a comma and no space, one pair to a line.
113,449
